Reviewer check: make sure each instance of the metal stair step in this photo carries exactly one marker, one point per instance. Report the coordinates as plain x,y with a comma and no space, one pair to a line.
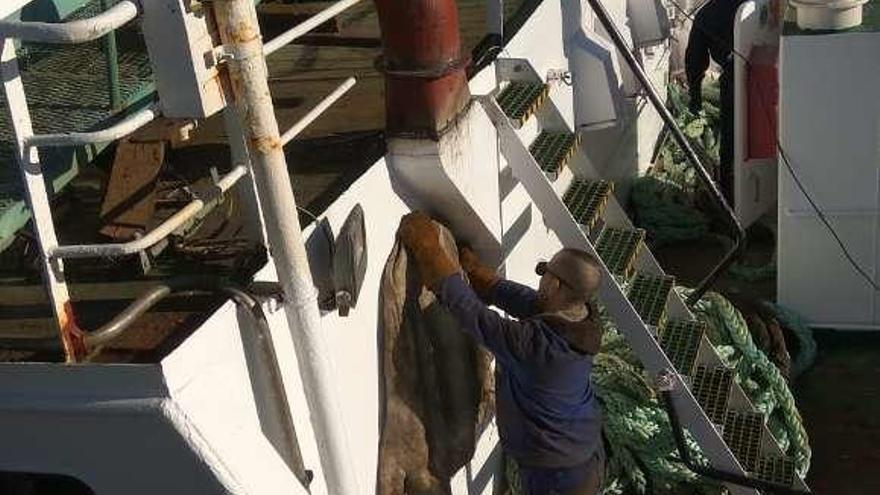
711,387
553,150
779,470
742,433
586,200
680,340
520,99
619,248
648,294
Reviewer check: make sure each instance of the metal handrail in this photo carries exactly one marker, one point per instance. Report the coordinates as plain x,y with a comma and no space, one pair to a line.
682,140
119,130
709,471
159,233
318,110
73,32
316,20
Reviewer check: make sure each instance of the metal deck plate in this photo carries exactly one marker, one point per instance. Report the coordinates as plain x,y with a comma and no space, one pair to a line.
648,294
521,99
711,387
680,340
779,470
742,433
67,91
552,150
618,248
586,200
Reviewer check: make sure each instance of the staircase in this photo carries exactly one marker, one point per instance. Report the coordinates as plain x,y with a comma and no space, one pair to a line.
581,210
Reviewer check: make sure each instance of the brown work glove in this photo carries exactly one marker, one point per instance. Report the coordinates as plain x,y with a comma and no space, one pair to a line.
422,240
482,278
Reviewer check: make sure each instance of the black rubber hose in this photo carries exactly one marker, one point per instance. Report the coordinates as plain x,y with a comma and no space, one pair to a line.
710,472
684,144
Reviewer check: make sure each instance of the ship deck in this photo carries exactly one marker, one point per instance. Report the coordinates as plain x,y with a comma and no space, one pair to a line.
324,160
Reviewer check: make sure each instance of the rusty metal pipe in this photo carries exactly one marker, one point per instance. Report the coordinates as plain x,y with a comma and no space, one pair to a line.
240,33
425,78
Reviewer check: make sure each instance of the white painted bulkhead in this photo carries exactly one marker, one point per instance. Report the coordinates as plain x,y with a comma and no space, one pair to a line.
197,421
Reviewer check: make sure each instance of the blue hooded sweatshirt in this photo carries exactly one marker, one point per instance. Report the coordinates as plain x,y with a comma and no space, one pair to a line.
547,413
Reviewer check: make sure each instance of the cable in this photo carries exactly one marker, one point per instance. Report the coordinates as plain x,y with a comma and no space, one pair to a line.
783,154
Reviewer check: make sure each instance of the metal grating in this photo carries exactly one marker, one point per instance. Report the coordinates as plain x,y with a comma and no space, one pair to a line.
67,91
586,200
742,433
618,248
779,470
711,387
521,99
648,294
552,150
680,340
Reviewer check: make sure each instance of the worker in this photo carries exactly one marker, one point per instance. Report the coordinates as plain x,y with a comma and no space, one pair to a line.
548,416
712,37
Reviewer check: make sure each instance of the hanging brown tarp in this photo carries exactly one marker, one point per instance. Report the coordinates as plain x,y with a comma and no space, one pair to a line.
438,390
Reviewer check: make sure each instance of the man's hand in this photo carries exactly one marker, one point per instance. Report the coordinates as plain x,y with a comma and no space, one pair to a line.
421,237
482,278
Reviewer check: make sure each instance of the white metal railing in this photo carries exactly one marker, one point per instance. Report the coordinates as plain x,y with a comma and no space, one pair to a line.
158,234
316,20
119,130
73,32
319,109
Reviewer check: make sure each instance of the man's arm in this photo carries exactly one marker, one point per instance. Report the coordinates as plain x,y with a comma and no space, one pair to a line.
696,63
515,299
507,339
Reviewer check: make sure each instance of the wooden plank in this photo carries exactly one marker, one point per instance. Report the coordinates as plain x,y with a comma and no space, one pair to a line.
130,200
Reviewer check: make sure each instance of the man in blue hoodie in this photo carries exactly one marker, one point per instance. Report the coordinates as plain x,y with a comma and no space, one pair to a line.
548,416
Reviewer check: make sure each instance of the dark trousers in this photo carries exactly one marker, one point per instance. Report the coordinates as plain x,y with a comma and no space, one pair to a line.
725,166
583,479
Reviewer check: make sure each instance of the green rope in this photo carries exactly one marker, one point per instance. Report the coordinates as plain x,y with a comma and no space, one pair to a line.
806,347
761,379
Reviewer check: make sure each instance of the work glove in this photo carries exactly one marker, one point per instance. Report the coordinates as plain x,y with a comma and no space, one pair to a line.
482,278
421,237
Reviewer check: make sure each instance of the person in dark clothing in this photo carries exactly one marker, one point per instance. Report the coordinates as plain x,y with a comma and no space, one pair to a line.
548,416
712,37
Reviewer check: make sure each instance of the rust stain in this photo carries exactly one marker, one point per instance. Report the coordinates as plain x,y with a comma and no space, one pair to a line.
243,32
266,144
72,337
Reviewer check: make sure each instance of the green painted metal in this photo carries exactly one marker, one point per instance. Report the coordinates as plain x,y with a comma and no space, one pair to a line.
586,200
67,91
778,470
648,294
552,150
680,340
520,99
711,388
742,433
619,248
111,54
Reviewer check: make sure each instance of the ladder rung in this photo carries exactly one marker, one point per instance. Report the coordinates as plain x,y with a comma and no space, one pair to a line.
586,200
711,387
520,99
619,248
680,340
648,294
553,150
779,470
742,433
